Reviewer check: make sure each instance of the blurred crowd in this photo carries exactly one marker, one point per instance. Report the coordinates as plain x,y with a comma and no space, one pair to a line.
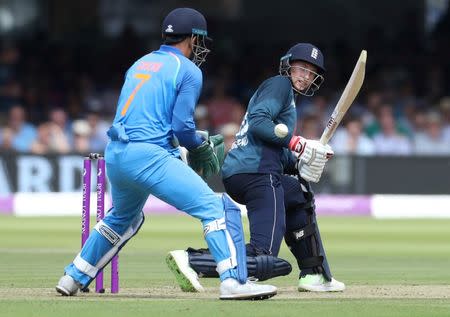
60,99
375,126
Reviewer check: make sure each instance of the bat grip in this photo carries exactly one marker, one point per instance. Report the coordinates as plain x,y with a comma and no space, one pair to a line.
323,139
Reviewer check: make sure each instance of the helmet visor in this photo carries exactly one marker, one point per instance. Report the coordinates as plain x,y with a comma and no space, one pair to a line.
305,84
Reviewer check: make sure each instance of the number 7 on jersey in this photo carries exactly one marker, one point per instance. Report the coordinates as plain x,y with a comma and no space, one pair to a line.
143,78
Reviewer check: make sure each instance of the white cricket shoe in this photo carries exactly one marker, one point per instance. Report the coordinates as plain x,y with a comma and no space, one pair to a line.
67,286
232,289
317,283
187,278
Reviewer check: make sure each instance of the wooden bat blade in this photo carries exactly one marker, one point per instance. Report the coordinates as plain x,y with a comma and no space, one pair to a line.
348,96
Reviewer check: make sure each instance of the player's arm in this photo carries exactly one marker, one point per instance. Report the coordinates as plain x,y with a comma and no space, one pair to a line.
289,160
272,95
206,153
183,124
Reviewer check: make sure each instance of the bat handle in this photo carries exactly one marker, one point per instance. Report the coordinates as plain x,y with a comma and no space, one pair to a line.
323,139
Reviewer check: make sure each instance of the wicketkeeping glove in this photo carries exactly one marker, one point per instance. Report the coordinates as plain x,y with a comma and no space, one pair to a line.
219,147
207,159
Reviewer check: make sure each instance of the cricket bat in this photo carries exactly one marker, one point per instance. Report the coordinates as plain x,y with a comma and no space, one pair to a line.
348,96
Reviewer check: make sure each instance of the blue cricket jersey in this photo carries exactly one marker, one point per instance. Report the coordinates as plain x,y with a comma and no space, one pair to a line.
257,149
158,99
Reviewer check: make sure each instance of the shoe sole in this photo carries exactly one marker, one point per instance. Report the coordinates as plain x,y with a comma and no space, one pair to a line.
318,289
185,284
62,291
261,296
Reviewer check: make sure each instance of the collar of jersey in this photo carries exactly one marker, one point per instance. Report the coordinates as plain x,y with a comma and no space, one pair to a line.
169,48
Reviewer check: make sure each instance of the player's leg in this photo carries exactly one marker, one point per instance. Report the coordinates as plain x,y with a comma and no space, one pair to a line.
177,184
303,238
104,242
264,199
260,267
120,224
263,196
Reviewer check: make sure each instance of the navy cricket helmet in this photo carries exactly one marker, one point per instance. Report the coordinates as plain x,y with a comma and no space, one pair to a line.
308,53
183,22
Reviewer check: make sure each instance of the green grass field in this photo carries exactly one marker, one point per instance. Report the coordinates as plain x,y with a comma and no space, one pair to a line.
391,268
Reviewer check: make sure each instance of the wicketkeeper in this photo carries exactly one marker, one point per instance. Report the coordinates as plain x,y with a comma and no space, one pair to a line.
154,115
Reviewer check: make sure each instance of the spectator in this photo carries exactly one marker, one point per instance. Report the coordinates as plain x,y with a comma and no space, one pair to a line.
406,117
418,123
351,140
97,132
60,127
432,142
82,133
310,127
369,119
42,144
384,111
18,135
389,141
318,107
50,139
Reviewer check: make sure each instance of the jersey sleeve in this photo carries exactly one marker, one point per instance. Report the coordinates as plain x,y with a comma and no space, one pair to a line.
183,124
272,95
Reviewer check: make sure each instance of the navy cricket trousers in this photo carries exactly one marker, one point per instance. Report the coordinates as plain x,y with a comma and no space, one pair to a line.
263,196
275,204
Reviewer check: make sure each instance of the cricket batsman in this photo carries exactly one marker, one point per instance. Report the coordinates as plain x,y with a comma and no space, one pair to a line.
268,169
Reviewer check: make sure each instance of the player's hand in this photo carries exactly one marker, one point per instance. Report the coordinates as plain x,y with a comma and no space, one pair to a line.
216,142
207,159
218,145
310,173
312,157
311,152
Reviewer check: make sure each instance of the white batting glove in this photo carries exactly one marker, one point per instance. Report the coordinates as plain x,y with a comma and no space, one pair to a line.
310,173
311,152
